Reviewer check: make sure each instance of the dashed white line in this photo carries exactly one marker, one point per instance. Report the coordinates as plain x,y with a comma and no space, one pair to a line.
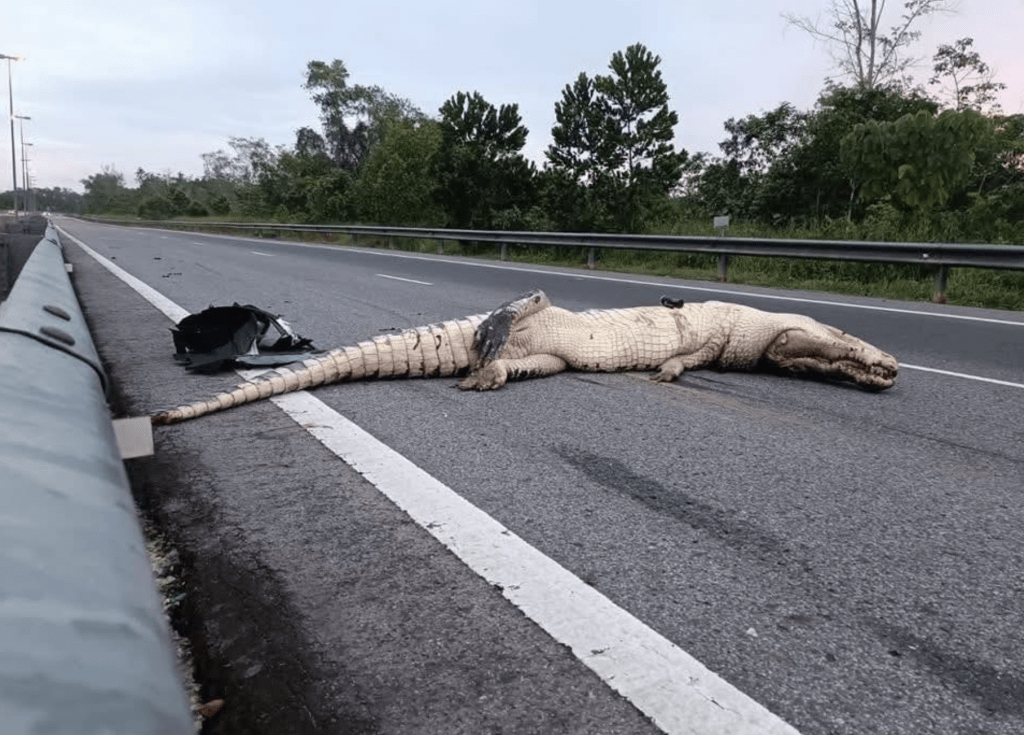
399,278
678,693
257,252
703,289
633,281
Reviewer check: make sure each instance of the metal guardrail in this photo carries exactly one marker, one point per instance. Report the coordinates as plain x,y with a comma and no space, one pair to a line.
84,645
941,256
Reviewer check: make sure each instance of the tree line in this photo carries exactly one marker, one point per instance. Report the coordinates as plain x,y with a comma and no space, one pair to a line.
876,156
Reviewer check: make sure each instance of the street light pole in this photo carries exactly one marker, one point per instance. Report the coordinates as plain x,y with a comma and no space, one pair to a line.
10,101
24,162
26,180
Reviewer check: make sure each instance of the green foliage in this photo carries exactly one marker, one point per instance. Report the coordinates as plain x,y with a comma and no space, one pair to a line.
52,199
353,116
105,192
304,185
396,185
784,166
636,101
919,161
612,162
482,178
220,205
612,165
156,207
750,171
576,184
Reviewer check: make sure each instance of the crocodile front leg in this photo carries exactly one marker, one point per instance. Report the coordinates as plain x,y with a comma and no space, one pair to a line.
494,374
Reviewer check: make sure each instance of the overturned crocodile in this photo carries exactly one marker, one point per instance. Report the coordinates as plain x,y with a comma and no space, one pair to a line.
528,337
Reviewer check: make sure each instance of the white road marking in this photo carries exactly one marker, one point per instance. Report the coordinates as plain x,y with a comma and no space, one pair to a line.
678,693
703,289
174,312
633,281
962,375
663,681
257,252
407,280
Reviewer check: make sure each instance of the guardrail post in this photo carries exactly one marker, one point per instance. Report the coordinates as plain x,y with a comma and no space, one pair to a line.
940,279
723,267
591,258
440,246
504,251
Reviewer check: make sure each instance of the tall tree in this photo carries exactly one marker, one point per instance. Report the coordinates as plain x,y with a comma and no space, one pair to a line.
105,193
483,180
736,183
860,47
353,116
968,81
582,159
396,185
636,101
612,147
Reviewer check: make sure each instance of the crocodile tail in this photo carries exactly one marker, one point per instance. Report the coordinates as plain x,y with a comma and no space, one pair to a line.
438,350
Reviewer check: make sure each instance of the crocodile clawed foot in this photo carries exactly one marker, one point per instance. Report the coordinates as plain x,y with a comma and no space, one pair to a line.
489,377
665,376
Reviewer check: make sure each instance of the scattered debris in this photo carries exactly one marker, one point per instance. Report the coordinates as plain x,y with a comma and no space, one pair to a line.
247,336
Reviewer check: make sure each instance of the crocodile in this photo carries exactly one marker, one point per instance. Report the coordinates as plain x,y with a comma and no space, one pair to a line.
527,337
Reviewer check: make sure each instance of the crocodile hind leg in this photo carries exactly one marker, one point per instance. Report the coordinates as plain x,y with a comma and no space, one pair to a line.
494,374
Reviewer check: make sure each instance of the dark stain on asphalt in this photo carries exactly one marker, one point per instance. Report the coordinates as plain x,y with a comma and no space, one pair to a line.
997,692
720,524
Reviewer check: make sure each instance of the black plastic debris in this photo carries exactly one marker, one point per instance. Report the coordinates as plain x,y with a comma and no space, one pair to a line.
237,336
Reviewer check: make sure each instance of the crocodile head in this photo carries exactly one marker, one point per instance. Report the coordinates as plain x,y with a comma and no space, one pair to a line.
826,352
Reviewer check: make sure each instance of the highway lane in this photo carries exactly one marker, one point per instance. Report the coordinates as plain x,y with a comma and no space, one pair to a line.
850,560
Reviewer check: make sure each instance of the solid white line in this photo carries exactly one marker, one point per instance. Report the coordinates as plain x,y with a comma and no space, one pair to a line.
407,280
632,281
667,684
675,690
174,312
962,375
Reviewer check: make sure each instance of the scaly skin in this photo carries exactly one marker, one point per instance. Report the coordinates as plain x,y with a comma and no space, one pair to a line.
438,350
527,338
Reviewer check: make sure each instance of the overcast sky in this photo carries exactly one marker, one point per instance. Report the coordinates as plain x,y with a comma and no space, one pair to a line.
155,84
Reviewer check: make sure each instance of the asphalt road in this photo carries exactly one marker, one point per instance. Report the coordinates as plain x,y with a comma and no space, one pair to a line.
852,561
